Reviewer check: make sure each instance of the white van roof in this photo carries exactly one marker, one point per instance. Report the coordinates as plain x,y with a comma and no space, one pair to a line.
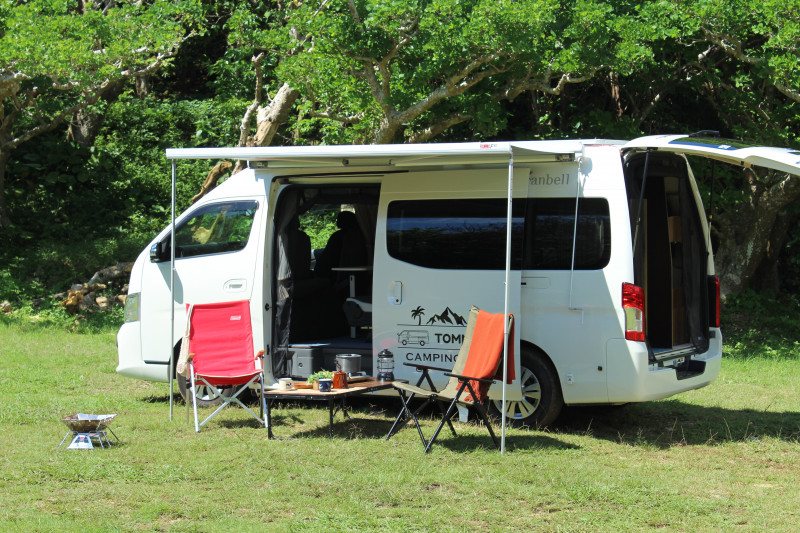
395,154
726,150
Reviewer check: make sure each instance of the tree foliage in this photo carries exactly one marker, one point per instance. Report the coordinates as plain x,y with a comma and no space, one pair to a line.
374,71
58,57
408,71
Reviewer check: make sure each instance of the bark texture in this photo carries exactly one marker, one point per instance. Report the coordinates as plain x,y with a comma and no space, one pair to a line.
746,235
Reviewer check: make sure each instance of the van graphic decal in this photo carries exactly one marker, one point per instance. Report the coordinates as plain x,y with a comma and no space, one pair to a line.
434,334
413,336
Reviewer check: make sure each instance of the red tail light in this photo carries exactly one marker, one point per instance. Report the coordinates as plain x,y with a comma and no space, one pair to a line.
633,305
713,301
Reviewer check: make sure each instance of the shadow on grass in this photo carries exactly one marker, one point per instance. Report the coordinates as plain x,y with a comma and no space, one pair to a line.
364,425
675,423
369,419
661,424
471,437
468,443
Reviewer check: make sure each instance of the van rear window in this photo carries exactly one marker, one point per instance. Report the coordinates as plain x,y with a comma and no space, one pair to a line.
215,228
549,231
471,234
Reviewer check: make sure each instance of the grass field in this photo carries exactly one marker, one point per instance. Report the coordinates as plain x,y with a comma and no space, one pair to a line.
726,458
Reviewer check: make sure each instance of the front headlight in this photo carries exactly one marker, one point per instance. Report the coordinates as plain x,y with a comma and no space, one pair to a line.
132,307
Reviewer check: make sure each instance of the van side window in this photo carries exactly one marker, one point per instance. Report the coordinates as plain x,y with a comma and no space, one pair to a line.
471,234
453,234
549,232
215,228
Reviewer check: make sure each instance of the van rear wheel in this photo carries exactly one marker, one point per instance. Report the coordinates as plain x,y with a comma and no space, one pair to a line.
542,400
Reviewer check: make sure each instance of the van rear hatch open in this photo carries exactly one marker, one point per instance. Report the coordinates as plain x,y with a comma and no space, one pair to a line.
725,150
671,246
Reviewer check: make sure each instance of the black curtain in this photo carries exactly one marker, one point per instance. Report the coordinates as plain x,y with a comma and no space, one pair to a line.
695,261
284,283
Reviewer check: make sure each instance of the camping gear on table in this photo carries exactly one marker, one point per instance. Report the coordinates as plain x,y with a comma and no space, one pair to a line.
349,363
339,380
386,366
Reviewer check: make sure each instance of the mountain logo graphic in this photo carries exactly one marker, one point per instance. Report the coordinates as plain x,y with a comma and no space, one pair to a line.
448,316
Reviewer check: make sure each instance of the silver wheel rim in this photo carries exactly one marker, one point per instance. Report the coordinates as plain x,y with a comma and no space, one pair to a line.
532,397
204,393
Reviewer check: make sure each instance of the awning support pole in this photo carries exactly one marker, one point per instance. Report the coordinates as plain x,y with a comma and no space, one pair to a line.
509,219
171,370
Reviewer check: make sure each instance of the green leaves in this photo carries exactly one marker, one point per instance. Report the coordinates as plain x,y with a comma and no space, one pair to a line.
403,67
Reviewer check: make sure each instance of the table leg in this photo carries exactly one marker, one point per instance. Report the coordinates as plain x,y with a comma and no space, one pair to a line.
344,409
330,414
352,282
268,415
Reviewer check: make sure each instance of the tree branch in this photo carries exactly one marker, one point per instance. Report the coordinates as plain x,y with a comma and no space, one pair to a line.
247,119
352,119
432,131
89,96
735,48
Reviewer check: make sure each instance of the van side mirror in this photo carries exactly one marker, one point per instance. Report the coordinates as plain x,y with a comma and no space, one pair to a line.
159,252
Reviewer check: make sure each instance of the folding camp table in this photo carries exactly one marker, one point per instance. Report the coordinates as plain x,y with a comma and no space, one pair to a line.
334,397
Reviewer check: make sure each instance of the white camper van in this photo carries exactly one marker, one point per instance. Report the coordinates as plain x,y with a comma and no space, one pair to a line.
609,271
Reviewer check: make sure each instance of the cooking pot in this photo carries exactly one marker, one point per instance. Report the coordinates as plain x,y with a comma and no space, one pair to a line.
348,363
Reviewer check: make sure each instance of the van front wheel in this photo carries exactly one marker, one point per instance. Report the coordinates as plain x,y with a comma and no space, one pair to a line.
205,396
542,400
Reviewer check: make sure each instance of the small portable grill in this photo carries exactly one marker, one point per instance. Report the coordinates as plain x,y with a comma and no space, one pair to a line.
94,427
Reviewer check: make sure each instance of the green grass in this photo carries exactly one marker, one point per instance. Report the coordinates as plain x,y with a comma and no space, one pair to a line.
726,457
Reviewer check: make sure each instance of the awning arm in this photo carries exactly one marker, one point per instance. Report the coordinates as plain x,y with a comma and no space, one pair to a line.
172,293
509,220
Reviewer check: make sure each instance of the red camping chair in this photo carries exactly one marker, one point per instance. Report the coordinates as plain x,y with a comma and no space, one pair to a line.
477,365
221,355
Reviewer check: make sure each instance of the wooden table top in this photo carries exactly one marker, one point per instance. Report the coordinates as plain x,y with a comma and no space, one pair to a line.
369,385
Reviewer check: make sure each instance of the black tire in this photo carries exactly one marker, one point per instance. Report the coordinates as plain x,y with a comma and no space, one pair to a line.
205,398
542,401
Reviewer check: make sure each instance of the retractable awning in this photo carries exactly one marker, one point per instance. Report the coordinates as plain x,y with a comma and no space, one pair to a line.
398,155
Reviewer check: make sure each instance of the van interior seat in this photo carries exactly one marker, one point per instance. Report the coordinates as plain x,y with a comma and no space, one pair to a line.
358,311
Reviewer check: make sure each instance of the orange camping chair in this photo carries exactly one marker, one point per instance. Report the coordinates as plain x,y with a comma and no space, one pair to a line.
476,367
221,355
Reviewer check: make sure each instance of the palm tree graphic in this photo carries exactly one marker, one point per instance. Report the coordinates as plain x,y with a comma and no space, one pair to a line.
417,313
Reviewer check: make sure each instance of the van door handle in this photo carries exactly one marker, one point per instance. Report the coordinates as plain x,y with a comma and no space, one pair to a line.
395,295
235,285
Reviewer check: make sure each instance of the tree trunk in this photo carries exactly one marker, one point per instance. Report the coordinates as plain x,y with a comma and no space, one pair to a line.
84,126
213,177
745,233
767,276
86,123
5,220
270,118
